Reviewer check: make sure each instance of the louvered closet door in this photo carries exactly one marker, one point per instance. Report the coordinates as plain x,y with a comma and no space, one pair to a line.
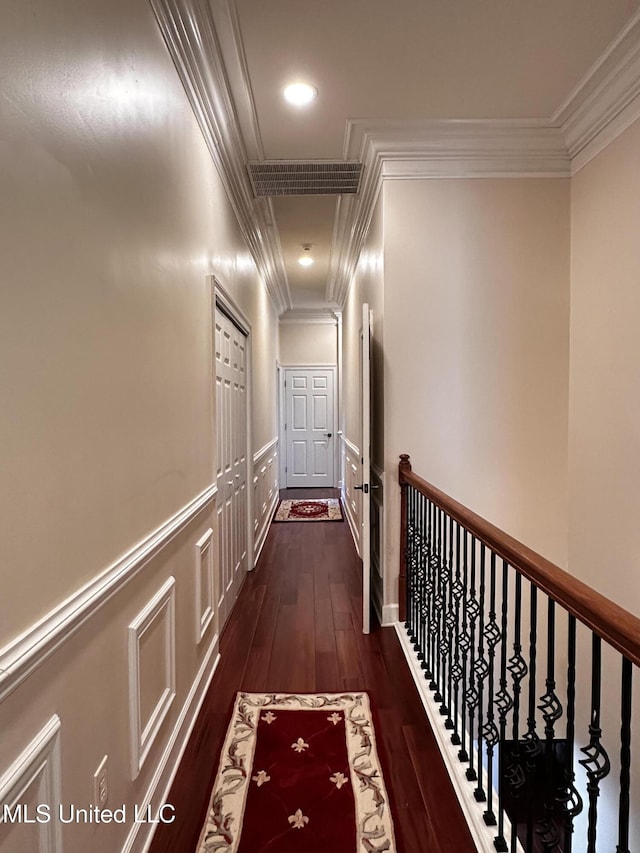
231,427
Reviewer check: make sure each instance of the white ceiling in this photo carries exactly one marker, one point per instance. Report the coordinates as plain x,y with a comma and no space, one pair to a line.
405,60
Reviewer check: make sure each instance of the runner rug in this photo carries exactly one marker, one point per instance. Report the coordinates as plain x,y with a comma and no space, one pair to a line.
314,509
299,773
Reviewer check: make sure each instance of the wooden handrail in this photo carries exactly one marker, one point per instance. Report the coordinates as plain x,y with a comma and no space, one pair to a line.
615,625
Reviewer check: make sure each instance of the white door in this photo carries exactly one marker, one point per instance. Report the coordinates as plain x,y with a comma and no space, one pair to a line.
231,473
365,515
309,427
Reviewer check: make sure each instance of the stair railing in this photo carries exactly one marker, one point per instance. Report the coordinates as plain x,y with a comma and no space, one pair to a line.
531,671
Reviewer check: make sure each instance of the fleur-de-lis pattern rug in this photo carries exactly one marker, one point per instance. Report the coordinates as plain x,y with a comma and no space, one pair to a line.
311,509
299,773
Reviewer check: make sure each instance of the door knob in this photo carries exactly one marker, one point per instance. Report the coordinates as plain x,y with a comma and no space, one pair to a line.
328,434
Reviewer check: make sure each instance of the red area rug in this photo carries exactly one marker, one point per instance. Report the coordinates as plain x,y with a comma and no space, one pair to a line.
299,773
313,509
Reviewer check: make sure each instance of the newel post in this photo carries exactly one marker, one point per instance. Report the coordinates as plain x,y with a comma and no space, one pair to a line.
403,468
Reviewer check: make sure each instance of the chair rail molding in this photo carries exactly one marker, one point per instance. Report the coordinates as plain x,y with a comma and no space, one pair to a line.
30,649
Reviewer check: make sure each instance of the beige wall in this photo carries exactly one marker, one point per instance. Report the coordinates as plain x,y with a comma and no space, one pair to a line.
112,218
308,343
604,412
476,351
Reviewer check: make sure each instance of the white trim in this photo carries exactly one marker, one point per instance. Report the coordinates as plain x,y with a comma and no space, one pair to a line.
351,446
261,538
38,762
144,732
473,811
319,317
25,653
205,606
265,461
141,834
605,102
390,615
190,31
264,450
438,148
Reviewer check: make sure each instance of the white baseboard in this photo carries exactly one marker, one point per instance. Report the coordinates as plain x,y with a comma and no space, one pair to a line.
473,811
141,834
390,615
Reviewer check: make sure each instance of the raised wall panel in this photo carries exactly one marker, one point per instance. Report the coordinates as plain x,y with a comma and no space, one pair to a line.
205,591
298,412
299,461
319,416
152,671
319,457
33,780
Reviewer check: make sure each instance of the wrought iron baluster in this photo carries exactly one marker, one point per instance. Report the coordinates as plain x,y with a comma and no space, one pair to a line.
457,591
464,642
481,672
490,730
531,741
504,703
449,620
569,799
429,591
514,773
471,694
597,762
437,565
409,557
625,757
551,711
422,563
444,585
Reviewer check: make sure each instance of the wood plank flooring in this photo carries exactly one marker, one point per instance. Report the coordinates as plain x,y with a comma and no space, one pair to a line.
296,627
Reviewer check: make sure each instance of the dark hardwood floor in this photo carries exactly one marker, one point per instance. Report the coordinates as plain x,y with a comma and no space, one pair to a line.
296,627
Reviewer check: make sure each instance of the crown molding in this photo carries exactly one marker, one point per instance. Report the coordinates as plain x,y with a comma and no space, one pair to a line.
447,148
321,316
191,35
605,102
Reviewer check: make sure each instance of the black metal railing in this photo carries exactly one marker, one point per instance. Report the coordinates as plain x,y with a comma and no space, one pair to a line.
513,651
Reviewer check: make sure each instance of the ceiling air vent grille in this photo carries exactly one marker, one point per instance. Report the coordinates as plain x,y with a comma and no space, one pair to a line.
281,177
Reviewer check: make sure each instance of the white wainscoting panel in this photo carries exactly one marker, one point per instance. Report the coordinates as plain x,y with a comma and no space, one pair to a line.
28,651
152,671
33,780
350,498
141,834
205,589
265,492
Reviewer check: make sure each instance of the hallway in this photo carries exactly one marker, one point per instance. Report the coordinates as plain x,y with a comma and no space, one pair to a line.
296,628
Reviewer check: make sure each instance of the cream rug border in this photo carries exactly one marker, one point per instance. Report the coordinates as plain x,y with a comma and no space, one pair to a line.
221,832
334,510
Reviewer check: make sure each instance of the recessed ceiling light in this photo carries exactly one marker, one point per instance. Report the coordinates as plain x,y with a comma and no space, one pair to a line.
306,260
300,94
